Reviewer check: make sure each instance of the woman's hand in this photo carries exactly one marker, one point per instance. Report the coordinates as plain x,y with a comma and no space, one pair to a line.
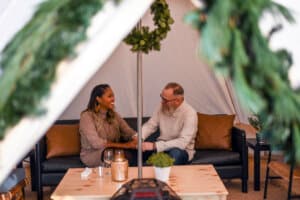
135,138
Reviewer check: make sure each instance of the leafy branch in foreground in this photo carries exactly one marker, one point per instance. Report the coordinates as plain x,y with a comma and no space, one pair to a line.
29,61
232,42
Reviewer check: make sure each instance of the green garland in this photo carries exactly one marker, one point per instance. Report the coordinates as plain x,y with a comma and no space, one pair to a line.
145,40
233,44
29,61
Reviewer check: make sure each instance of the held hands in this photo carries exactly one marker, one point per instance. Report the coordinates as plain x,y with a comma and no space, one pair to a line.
148,146
135,139
133,144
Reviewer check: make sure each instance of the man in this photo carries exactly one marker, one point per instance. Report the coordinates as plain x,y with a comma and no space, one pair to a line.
177,122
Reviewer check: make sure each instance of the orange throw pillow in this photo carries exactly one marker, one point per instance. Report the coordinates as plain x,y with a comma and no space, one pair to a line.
214,131
63,140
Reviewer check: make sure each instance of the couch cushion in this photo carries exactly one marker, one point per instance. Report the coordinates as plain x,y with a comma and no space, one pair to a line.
61,164
52,179
214,131
63,140
216,157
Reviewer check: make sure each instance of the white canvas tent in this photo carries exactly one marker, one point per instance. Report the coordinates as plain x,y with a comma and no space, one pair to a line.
108,28
177,61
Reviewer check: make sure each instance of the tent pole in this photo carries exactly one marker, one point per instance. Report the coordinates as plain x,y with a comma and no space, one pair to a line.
139,107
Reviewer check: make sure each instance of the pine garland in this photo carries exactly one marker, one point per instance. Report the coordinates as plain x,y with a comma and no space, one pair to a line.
145,40
233,44
29,61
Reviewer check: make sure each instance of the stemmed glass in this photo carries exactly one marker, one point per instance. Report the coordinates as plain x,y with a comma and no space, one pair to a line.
108,156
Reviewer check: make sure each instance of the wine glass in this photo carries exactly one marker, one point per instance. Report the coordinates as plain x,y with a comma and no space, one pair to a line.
108,155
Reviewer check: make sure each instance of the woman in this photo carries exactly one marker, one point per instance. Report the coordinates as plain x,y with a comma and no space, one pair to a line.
101,127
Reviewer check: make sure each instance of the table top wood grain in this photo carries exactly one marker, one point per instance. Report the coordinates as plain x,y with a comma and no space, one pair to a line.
188,181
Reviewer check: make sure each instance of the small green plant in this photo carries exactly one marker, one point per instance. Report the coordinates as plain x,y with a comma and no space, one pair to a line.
160,159
255,122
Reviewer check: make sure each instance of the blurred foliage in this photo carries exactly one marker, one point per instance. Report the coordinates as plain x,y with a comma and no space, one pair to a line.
255,122
145,40
29,60
231,41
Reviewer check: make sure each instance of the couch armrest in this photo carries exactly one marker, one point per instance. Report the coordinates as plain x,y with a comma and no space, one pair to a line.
238,138
41,149
239,144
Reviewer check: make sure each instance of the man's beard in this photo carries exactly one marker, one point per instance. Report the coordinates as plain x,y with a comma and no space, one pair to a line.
168,110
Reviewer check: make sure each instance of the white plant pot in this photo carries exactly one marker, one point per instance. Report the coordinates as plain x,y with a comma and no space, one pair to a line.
162,173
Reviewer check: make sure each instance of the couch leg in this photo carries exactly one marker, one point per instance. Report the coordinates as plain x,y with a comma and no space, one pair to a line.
32,170
40,193
245,185
38,176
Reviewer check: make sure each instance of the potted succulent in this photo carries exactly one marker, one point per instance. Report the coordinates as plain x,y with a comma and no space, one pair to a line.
162,163
256,123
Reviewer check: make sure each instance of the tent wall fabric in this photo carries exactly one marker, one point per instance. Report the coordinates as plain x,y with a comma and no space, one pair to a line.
178,60
106,31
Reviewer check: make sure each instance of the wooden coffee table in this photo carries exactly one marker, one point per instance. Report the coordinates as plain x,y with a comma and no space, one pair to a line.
188,181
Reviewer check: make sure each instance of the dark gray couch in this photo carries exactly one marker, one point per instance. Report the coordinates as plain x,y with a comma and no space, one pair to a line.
228,164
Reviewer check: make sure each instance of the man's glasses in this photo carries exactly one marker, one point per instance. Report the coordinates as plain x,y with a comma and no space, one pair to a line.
166,100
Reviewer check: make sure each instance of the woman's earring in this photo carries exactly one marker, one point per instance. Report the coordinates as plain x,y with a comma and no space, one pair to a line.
97,107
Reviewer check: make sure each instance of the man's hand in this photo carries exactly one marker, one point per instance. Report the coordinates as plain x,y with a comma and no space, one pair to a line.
148,146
